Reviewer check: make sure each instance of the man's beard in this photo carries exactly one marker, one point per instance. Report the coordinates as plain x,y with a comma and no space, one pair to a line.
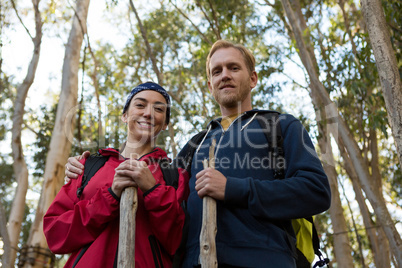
232,99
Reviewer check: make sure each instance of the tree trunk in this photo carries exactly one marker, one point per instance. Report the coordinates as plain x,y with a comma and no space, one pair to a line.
350,144
60,144
6,257
387,67
342,248
19,164
173,143
383,258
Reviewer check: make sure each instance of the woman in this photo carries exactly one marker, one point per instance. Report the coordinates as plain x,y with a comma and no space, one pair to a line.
88,226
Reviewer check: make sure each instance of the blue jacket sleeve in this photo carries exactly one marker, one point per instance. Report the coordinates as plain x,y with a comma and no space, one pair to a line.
305,191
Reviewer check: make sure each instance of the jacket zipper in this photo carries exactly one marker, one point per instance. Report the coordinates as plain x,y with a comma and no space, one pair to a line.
224,131
156,253
82,252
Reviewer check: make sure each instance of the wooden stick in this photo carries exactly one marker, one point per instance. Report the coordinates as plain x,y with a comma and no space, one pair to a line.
128,208
208,229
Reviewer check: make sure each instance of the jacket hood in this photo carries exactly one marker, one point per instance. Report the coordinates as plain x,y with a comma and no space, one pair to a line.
250,113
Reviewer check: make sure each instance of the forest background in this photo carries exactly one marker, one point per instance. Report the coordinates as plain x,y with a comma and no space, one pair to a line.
66,68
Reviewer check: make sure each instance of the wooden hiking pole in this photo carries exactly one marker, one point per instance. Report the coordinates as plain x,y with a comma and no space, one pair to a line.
128,208
208,229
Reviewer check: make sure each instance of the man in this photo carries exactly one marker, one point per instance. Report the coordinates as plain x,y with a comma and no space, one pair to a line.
253,208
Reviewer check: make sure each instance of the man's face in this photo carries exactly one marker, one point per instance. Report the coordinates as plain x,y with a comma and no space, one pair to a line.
230,81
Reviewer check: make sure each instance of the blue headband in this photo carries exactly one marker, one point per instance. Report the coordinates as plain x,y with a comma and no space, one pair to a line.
149,86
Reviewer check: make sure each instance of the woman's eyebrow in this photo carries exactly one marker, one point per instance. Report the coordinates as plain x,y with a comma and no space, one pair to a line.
145,100
141,99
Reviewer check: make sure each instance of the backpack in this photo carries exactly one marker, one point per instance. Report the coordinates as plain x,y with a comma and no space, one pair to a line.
307,241
96,161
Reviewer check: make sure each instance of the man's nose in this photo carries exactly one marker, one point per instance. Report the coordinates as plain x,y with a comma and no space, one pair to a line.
225,74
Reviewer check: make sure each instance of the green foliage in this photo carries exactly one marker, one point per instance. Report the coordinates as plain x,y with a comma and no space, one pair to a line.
180,47
7,177
6,95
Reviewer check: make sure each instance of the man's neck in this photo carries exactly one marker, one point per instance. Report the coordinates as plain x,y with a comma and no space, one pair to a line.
226,111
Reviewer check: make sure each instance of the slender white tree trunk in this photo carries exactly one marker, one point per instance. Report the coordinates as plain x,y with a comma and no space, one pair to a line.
377,247
387,66
342,248
60,144
19,164
350,144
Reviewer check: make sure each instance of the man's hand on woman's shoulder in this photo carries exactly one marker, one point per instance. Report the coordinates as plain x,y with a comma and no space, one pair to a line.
73,167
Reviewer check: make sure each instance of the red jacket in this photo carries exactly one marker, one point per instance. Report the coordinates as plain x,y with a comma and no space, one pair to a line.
88,227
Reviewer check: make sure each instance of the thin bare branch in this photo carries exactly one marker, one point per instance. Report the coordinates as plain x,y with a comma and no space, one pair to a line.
19,18
208,19
269,4
347,27
215,19
30,129
148,46
192,23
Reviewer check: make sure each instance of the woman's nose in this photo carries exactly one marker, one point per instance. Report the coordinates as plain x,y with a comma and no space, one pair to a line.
148,111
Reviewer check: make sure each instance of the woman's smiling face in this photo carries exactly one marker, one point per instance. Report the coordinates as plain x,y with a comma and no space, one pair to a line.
146,116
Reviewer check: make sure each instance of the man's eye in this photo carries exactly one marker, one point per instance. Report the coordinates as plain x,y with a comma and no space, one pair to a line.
140,105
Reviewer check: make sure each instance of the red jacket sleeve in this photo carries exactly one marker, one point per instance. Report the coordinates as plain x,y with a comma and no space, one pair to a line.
70,223
166,214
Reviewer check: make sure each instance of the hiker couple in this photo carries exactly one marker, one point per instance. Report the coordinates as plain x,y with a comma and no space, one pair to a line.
254,208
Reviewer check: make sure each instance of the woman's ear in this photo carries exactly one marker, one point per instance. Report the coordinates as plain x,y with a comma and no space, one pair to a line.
124,118
165,127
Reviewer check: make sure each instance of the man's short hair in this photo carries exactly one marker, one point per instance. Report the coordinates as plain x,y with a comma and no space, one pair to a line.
247,55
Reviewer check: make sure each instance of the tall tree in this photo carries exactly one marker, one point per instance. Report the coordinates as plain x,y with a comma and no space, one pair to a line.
387,66
350,144
342,248
60,144
19,165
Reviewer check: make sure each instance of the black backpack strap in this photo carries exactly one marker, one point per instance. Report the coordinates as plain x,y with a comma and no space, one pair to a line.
316,245
170,172
271,127
193,144
269,122
185,156
92,165
316,241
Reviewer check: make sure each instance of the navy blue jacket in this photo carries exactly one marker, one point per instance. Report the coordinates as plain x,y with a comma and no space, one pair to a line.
257,209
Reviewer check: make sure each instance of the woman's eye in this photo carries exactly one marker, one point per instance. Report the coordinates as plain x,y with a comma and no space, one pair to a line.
159,109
